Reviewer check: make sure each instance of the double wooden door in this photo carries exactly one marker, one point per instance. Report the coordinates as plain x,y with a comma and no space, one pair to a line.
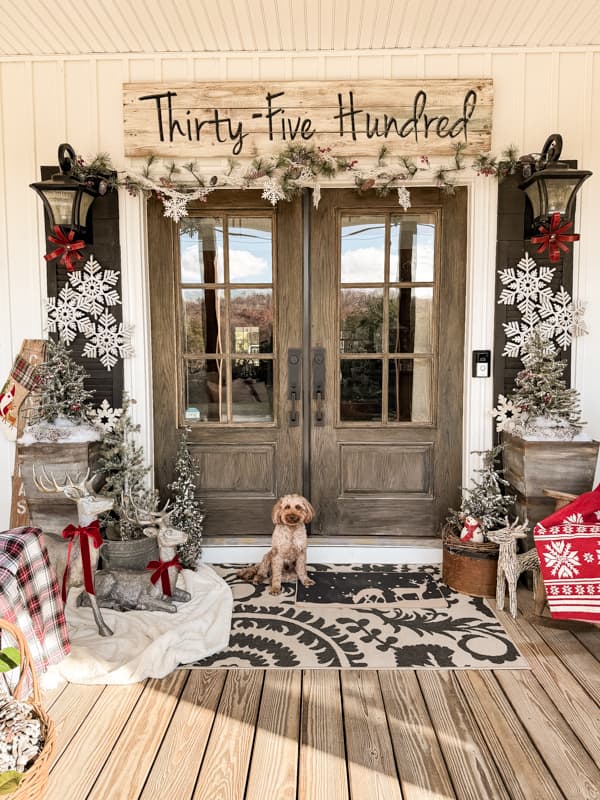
317,351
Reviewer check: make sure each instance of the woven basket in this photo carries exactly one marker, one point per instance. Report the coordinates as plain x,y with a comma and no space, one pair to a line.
34,781
469,567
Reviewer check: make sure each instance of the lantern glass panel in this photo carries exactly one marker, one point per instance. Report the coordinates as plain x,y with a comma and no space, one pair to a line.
535,195
61,203
559,192
85,201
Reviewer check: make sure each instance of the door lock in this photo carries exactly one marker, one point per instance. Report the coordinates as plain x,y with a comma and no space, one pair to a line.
294,384
318,369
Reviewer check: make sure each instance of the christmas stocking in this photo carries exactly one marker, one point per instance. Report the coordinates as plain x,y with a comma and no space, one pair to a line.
20,382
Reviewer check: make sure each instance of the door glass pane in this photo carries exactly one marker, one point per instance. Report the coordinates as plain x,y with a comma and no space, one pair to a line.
252,390
203,320
251,312
363,249
250,250
205,394
201,250
360,390
411,320
412,248
361,320
409,390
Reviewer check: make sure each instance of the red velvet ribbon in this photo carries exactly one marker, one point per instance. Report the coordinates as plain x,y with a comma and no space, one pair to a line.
91,531
553,238
67,249
161,570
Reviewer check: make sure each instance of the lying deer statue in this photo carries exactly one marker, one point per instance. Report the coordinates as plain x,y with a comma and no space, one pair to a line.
511,564
127,589
89,505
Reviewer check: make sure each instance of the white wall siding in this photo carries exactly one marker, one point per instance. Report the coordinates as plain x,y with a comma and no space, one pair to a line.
45,101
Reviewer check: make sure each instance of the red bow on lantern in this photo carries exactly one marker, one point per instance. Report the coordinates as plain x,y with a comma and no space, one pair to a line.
67,249
161,570
91,531
554,237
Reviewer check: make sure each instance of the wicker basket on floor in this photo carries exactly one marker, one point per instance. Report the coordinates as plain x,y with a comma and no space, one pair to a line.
35,779
469,567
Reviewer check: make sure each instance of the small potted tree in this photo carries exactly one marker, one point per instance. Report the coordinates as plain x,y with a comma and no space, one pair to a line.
469,560
542,432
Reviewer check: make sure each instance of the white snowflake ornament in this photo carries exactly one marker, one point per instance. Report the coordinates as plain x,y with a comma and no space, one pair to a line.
68,314
507,414
562,318
517,333
108,340
527,285
175,207
272,191
105,417
404,198
95,286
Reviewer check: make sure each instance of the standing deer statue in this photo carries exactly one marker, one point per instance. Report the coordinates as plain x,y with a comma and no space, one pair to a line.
89,505
511,564
126,589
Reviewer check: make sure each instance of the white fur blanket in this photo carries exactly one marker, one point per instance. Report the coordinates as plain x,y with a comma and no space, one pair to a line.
149,644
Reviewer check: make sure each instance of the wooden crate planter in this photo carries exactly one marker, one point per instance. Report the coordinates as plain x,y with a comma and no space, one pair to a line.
53,512
530,467
469,567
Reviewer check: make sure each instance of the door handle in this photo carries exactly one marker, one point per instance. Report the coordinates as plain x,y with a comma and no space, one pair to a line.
318,370
294,376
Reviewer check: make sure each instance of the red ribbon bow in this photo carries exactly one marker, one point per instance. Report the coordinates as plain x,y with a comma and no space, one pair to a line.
67,249
91,531
553,238
161,570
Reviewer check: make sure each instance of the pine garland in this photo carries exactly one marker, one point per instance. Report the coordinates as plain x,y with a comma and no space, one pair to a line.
485,500
61,390
187,511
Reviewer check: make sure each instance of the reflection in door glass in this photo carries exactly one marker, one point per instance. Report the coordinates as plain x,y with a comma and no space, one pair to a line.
205,394
412,248
361,320
411,319
409,390
203,316
252,390
250,250
251,313
360,390
363,249
201,250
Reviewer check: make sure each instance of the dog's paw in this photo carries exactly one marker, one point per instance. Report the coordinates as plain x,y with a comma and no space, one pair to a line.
275,590
307,582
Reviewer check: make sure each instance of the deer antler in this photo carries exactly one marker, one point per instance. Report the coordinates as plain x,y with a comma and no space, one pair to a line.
48,484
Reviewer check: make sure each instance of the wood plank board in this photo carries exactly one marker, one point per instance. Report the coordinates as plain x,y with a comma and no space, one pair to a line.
88,750
225,765
467,756
182,750
421,768
322,768
274,767
69,711
369,753
517,760
143,732
571,766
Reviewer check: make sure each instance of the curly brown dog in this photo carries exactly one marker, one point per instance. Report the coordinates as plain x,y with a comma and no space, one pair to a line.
288,545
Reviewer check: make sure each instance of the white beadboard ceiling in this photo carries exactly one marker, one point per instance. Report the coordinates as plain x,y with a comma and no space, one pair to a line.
73,27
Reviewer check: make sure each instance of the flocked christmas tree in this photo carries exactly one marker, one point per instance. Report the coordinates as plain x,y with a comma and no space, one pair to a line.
61,392
122,461
485,500
541,404
187,511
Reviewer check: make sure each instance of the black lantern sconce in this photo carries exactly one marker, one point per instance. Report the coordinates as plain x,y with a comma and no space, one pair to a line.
67,199
550,184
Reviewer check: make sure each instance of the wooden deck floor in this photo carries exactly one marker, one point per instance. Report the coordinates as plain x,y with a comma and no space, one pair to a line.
350,735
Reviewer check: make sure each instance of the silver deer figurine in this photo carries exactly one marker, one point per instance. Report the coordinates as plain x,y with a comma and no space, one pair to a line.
125,589
511,564
89,505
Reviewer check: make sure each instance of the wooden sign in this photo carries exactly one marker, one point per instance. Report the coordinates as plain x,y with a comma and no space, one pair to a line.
354,118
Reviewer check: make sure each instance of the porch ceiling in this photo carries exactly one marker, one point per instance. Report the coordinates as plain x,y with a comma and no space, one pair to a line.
41,27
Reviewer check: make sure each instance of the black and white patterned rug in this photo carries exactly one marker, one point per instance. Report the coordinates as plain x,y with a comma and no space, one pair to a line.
276,632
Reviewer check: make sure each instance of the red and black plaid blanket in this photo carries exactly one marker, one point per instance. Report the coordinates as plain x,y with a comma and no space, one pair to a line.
568,544
30,595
